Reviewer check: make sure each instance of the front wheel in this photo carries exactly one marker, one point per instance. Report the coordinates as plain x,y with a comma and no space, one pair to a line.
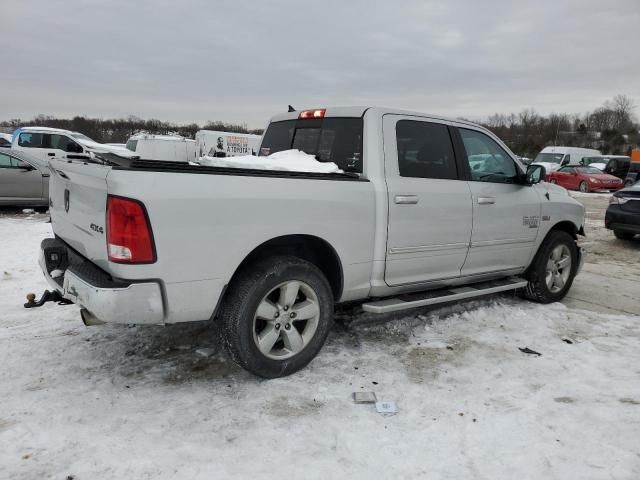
276,316
553,269
584,187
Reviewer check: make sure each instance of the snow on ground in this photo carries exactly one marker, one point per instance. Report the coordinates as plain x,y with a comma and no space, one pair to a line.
139,402
287,160
579,195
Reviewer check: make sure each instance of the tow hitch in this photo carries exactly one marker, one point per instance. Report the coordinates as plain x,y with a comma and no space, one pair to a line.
47,296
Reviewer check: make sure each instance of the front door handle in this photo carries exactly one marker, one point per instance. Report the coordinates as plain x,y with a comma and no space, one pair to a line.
51,154
406,199
486,200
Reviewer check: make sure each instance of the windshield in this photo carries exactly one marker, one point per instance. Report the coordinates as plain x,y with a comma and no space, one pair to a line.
590,170
337,140
132,145
549,157
590,160
80,136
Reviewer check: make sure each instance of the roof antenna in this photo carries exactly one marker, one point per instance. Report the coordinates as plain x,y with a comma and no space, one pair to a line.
291,109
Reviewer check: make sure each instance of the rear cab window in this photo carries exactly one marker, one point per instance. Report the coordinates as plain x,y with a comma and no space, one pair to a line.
332,139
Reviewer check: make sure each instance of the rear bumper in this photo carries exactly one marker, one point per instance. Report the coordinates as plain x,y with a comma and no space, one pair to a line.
107,299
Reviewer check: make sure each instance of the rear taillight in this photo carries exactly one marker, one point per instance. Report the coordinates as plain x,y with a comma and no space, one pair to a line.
129,236
614,200
306,114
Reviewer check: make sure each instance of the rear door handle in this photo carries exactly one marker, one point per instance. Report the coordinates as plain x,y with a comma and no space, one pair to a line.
486,200
406,199
51,154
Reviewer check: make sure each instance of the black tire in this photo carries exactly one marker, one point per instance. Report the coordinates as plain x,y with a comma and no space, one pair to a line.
622,235
241,302
584,187
537,289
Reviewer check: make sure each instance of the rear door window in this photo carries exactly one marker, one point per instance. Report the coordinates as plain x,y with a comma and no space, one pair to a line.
337,140
31,140
425,150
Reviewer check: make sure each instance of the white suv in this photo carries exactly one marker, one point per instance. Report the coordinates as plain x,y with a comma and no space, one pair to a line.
47,143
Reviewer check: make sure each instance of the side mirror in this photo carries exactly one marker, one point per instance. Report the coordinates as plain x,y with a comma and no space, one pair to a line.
535,174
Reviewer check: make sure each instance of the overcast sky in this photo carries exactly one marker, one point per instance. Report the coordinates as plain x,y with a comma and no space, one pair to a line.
193,61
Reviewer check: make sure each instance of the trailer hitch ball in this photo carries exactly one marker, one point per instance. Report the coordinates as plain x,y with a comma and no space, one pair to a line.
31,298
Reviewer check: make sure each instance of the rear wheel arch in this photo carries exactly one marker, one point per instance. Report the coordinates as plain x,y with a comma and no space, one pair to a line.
313,249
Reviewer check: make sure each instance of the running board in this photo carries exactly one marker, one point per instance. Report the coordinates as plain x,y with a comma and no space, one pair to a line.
422,299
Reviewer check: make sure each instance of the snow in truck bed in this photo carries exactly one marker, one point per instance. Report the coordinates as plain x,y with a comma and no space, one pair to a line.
287,160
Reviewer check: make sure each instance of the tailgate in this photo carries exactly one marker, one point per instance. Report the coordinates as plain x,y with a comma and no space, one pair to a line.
78,201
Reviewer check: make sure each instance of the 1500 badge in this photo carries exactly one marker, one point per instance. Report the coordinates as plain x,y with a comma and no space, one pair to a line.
531,222
96,228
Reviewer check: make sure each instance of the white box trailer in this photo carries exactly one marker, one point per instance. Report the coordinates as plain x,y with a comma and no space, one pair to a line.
172,148
226,144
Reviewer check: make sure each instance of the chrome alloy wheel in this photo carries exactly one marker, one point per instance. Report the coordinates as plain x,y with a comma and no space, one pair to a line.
286,320
558,268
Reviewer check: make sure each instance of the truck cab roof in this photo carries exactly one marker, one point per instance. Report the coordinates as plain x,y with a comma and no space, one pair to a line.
359,111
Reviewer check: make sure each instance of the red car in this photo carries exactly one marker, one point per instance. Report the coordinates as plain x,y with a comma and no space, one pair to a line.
585,179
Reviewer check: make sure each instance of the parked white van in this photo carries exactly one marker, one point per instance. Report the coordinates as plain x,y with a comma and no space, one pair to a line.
552,158
47,143
226,144
173,148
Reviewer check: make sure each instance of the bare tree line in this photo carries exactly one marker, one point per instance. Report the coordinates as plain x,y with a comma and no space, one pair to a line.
610,128
118,130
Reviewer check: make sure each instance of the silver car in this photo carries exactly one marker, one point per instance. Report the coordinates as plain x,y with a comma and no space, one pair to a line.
24,179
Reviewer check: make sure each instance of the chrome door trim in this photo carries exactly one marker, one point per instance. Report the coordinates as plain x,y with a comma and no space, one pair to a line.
427,248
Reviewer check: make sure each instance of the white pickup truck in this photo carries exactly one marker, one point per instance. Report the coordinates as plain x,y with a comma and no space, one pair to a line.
427,210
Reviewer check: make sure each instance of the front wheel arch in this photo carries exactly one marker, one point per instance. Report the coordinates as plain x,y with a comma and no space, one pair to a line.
563,226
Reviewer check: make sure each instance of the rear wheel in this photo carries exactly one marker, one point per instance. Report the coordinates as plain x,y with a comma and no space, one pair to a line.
584,187
276,316
553,180
553,269
622,235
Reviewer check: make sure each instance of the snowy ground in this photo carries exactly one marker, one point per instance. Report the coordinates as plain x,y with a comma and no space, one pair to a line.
120,402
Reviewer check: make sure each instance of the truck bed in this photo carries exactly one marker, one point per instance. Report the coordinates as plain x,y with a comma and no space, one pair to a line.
206,220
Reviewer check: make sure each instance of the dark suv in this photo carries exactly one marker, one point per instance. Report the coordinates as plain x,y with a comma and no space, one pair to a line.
623,214
633,176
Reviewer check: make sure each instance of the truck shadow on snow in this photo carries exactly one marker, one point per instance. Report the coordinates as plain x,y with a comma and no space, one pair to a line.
193,352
